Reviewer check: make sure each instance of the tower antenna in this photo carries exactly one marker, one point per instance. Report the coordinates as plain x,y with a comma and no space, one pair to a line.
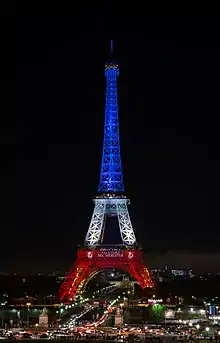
111,46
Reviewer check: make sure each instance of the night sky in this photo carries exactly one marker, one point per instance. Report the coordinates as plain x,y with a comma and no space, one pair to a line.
168,107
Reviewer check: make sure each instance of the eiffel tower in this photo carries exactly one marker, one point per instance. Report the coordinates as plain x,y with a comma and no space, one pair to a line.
110,201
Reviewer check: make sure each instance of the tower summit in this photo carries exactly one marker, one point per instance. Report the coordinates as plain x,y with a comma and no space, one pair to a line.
111,178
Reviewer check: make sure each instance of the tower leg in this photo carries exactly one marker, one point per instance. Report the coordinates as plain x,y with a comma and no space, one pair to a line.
77,274
140,272
96,225
126,229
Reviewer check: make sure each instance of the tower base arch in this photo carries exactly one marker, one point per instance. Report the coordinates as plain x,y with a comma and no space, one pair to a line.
91,261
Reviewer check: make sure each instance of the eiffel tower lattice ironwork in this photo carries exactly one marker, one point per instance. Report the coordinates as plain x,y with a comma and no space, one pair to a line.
110,201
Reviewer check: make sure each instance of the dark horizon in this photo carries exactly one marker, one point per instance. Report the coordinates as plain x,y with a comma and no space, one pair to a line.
168,111
200,263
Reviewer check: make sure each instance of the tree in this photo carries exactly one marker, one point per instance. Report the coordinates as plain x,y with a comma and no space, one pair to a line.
156,312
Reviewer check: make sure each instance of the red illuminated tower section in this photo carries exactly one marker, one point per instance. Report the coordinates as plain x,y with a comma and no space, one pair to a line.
110,202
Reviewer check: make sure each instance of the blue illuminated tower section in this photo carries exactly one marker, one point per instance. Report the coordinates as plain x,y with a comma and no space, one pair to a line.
111,178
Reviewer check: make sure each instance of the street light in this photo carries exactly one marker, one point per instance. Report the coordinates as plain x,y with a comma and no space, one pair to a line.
18,313
28,306
2,313
197,326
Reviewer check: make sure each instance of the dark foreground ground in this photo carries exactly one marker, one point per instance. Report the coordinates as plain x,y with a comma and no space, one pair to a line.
148,340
